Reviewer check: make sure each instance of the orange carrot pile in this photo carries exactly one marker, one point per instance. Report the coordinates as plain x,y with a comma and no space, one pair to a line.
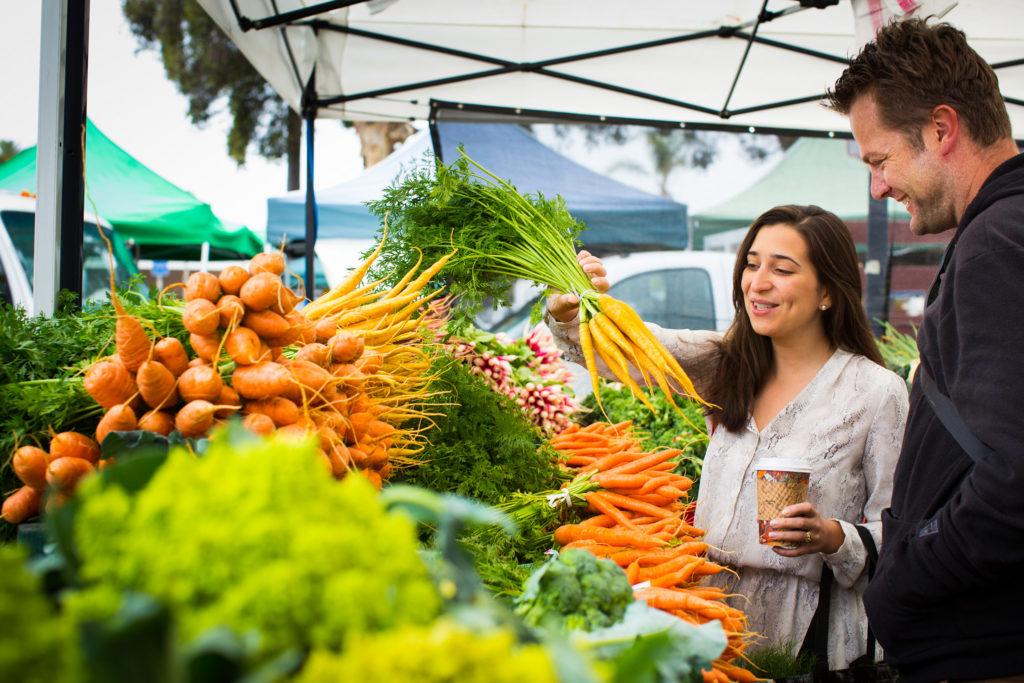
59,468
639,522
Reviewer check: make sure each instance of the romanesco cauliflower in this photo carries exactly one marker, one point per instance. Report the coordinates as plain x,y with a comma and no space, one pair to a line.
258,538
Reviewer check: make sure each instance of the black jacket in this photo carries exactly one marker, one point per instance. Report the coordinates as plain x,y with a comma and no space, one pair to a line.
947,600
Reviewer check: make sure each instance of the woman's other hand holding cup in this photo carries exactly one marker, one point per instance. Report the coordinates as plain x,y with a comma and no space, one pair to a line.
801,524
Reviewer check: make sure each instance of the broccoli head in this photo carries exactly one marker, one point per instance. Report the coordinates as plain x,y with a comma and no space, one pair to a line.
576,590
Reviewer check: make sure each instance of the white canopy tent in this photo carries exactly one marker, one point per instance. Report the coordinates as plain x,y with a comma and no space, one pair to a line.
760,63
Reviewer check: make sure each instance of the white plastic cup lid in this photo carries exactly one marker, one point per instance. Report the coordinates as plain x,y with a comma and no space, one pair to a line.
784,464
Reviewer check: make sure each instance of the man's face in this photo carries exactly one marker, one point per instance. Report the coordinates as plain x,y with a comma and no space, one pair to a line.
913,175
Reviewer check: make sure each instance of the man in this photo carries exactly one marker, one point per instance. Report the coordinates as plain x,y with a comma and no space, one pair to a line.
946,599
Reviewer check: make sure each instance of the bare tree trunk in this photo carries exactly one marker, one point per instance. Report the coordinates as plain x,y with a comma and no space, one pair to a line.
294,149
379,138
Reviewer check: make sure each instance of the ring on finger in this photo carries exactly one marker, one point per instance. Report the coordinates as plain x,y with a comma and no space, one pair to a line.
807,537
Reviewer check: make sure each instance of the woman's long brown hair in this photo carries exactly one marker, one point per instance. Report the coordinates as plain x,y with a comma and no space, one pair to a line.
747,357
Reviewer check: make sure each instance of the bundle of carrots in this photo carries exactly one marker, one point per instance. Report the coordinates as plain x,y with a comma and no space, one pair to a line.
253,354
639,522
59,468
398,326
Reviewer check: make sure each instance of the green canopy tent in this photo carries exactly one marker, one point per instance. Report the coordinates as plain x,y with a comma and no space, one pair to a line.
822,171
164,221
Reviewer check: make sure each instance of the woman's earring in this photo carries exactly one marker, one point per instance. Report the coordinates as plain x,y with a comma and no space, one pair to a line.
824,307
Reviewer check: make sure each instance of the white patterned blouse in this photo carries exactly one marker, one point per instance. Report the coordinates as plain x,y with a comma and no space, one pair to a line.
847,425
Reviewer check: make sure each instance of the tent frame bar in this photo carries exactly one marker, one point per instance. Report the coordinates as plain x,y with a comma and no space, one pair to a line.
438,108
304,18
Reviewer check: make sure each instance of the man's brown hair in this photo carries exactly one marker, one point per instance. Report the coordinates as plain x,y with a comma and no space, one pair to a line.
912,67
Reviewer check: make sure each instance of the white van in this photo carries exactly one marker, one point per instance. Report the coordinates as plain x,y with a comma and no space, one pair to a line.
17,248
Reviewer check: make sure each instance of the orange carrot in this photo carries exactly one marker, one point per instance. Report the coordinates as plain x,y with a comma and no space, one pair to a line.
620,481
606,507
286,301
636,504
341,460
349,375
669,599
29,464
260,291
310,378
230,311
74,445
315,353
631,572
109,382
23,504
266,324
345,346
195,418
267,262
599,520
232,278
202,286
65,473
201,316
369,361
681,576
158,421
120,418
206,346
260,380
243,346
258,424
200,382
325,329
279,409
171,352
229,400
157,384
647,461
622,537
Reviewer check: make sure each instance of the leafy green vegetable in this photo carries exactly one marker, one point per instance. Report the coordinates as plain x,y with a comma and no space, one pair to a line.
778,661
899,350
34,638
649,645
575,590
500,235
484,448
664,428
442,652
256,536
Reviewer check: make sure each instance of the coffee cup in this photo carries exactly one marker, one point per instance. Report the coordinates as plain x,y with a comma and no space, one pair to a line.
781,482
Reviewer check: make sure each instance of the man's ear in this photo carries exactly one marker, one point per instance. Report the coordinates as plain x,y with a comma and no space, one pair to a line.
944,127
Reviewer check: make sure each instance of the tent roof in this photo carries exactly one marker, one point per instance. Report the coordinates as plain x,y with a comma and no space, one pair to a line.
616,215
140,204
703,62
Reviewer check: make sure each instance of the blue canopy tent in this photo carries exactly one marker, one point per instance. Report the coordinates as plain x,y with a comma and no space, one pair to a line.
618,217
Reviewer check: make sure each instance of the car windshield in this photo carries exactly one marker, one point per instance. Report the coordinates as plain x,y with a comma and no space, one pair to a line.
95,256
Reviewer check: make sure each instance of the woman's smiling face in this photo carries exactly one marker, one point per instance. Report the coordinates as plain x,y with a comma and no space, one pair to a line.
783,295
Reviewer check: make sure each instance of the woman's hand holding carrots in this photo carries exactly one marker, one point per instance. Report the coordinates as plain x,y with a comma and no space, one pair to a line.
565,306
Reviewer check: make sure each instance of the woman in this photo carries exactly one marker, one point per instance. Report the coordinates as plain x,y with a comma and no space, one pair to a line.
797,375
